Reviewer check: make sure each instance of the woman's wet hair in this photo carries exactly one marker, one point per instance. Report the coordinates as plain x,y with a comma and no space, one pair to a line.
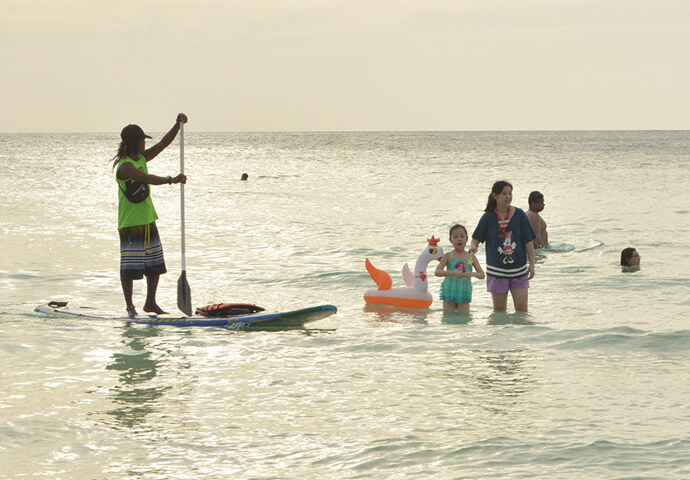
497,189
626,255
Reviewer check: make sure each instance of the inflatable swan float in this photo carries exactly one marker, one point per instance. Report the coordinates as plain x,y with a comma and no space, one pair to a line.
415,294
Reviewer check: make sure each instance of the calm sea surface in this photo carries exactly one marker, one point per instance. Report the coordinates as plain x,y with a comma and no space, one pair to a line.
592,383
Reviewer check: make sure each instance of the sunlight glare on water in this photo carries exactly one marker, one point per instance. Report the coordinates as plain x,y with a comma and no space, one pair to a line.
588,383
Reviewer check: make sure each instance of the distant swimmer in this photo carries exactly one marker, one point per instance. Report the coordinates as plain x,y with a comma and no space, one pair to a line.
244,177
630,259
536,205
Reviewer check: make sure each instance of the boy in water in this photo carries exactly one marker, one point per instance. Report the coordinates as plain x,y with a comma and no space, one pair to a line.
536,205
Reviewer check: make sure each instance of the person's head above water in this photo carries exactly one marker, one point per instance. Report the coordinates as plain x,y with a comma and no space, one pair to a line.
536,201
629,257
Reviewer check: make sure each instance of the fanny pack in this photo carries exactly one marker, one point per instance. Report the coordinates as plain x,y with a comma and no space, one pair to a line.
136,192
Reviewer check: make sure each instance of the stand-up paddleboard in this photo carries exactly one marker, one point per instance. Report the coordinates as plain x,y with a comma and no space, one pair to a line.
291,318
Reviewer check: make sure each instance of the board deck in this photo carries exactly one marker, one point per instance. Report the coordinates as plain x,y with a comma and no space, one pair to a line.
262,319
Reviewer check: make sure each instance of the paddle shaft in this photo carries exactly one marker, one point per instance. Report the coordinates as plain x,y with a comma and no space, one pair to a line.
184,294
182,193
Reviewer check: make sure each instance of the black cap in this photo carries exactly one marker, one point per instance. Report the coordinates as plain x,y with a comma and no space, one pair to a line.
132,133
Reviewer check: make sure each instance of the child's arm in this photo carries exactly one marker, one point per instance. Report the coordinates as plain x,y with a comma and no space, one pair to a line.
441,268
474,245
479,273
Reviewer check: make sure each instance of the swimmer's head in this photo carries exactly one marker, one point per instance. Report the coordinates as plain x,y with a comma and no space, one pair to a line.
630,257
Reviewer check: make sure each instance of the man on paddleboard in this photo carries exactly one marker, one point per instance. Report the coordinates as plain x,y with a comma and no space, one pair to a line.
141,251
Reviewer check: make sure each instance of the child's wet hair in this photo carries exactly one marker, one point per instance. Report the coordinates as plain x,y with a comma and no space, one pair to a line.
454,227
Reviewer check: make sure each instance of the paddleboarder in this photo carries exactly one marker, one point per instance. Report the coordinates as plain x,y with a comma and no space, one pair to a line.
141,251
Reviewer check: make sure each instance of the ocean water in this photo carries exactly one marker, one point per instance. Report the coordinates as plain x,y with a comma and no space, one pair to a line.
591,383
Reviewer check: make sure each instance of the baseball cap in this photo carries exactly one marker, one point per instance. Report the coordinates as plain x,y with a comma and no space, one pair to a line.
133,133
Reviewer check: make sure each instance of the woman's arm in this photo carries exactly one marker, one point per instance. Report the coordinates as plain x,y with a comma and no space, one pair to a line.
128,171
529,247
152,152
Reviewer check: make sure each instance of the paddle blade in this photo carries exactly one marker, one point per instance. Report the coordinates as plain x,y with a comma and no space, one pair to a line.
184,294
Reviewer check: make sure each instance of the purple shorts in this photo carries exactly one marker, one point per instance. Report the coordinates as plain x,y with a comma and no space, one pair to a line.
504,285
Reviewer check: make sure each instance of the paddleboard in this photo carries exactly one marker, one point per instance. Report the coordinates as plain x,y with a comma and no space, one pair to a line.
262,319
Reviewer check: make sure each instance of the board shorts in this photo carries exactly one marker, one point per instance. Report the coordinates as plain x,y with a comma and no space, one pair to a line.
504,285
141,252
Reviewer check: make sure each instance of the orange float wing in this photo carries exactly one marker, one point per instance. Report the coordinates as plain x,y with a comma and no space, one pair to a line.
381,278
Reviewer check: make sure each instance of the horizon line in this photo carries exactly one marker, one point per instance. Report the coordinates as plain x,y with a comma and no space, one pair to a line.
366,131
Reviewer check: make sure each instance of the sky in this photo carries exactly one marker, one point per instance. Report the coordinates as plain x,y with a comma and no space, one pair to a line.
345,65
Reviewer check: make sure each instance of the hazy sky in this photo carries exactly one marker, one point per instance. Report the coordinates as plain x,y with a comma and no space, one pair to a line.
295,65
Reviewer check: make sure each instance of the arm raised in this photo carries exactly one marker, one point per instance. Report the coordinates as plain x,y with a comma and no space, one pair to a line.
167,139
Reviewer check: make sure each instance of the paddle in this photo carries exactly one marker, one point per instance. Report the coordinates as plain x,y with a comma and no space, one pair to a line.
184,293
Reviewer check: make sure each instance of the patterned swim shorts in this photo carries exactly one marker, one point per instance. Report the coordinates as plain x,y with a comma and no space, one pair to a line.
141,252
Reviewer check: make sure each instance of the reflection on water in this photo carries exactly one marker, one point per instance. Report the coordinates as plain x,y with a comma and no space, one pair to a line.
489,380
386,313
512,318
456,318
136,368
631,269
503,372
499,371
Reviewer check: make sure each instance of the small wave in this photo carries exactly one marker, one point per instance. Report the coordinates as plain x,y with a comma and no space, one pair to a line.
560,248
546,459
594,244
19,275
627,339
616,456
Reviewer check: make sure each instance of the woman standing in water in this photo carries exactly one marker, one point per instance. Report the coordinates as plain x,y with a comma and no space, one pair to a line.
509,241
141,252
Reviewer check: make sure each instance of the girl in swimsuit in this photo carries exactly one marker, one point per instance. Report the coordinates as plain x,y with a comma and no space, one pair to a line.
456,289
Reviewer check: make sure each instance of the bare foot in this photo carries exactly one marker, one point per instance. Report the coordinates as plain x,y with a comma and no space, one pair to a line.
132,311
154,309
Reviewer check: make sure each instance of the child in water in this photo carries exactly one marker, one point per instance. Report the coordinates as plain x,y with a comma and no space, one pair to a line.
456,289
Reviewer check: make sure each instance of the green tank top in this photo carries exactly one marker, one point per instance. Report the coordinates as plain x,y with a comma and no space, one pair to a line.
133,214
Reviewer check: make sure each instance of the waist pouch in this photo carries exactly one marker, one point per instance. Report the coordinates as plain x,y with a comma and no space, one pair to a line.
136,192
